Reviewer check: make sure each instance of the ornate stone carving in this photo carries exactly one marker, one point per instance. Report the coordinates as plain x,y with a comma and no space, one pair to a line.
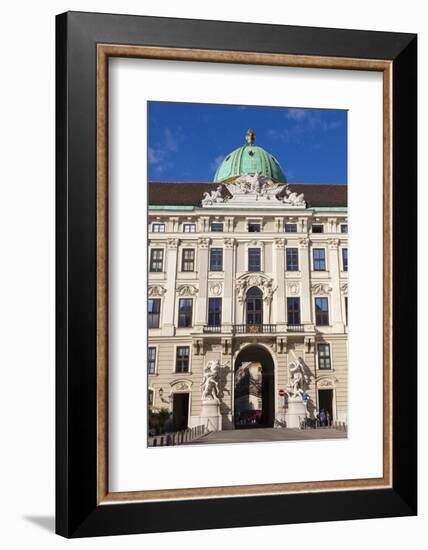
333,243
295,200
213,197
173,243
326,383
293,288
344,288
262,281
187,290
304,243
156,290
279,243
215,289
229,243
204,243
253,190
320,288
181,385
214,380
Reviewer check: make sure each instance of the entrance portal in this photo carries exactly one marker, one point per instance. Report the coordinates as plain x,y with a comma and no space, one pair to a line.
180,411
325,401
254,392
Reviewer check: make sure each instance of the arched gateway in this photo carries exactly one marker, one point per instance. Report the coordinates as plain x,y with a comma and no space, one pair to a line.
254,392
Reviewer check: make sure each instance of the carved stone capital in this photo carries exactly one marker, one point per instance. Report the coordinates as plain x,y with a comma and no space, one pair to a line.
204,243
304,243
229,243
344,288
280,243
333,243
173,244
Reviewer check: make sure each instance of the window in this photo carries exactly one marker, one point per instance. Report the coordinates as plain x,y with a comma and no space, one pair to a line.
293,311
292,259
318,228
216,259
188,259
254,227
151,360
153,312
319,259
254,302
291,228
345,259
346,310
156,260
182,359
324,359
185,310
189,227
321,311
217,227
214,312
158,227
254,259
344,228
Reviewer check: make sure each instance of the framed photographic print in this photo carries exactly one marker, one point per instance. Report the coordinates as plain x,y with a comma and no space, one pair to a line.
220,363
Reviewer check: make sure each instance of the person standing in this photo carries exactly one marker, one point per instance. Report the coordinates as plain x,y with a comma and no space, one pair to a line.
322,417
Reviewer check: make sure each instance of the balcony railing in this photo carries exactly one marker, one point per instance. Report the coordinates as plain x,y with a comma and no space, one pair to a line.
254,329
295,328
212,329
250,329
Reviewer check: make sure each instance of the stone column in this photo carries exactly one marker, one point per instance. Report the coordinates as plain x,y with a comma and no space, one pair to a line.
202,299
228,284
334,269
168,309
305,287
279,284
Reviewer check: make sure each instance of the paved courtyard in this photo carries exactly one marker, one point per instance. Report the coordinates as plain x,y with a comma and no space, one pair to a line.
268,434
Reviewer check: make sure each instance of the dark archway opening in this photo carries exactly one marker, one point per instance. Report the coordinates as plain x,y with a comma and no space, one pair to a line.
254,391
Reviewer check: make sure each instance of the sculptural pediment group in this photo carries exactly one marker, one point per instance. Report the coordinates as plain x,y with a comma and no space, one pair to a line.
253,190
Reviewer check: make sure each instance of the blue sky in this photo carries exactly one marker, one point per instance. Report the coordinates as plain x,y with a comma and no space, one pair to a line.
187,141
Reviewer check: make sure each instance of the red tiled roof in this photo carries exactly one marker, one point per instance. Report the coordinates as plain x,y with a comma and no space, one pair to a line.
190,193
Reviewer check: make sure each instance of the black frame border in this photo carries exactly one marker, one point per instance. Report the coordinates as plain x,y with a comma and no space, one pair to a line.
77,512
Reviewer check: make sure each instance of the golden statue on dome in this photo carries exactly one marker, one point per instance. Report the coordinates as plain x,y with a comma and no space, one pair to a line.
250,137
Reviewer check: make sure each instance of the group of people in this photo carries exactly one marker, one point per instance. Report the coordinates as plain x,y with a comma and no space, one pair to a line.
324,418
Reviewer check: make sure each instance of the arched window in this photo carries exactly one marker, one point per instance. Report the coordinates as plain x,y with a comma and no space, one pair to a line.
254,302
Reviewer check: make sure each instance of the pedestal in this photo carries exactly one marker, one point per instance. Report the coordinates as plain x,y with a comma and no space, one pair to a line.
210,415
296,412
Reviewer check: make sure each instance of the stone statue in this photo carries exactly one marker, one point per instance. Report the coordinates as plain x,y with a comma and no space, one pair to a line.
294,199
210,381
297,379
213,197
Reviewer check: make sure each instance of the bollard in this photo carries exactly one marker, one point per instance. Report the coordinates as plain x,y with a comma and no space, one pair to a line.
161,441
155,442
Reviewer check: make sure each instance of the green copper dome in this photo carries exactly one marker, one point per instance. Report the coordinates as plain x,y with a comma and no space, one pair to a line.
249,159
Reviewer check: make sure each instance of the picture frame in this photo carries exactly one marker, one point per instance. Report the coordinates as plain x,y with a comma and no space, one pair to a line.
84,44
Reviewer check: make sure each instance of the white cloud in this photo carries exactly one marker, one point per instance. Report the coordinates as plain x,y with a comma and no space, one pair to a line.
160,154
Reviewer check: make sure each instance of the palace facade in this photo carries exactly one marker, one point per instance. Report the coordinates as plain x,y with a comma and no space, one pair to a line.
252,272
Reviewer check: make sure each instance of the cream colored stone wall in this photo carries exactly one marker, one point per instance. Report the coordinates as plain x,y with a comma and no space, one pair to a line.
202,284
